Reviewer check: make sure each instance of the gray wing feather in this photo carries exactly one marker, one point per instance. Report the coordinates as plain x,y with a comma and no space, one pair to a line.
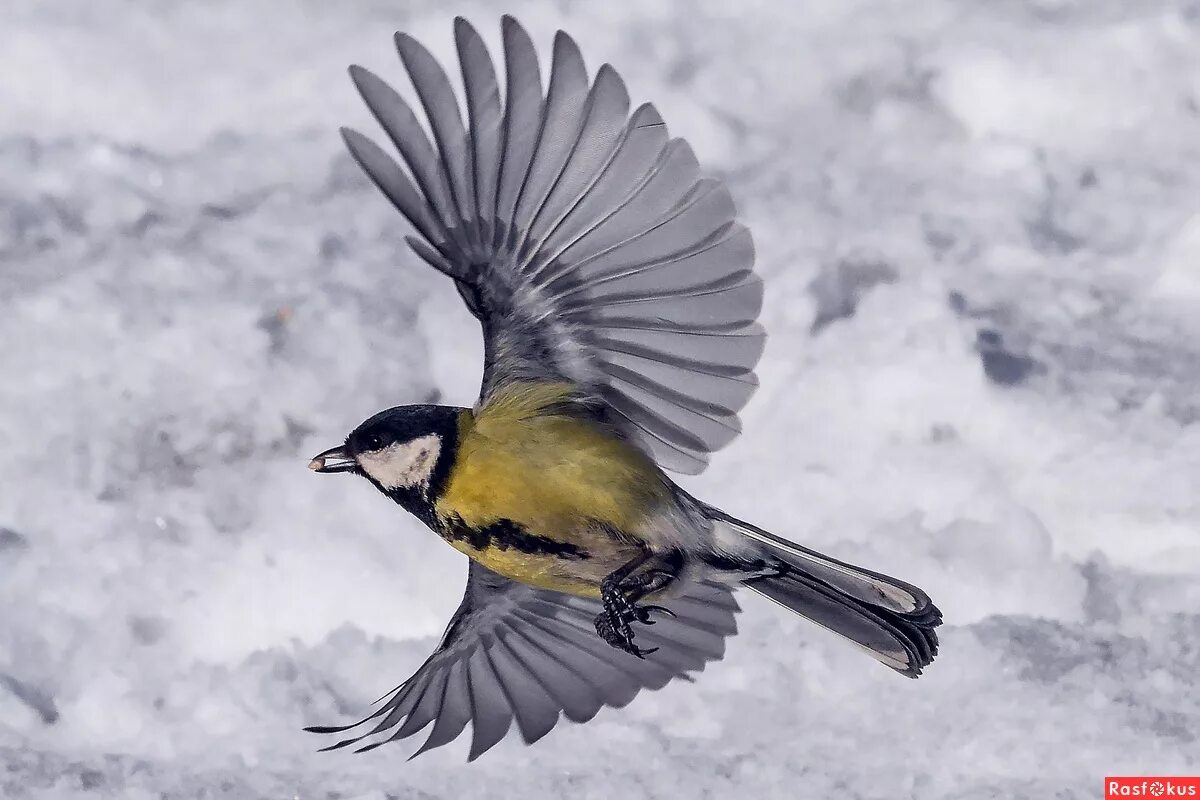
532,706
428,706
561,117
575,696
441,109
643,141
387,175
522,122
513,652
584,238
401,126
706,206
706,264
491,714
455,711
485,115
612,683
606,111
651,201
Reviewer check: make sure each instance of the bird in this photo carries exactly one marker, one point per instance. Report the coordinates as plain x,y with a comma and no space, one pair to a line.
618,304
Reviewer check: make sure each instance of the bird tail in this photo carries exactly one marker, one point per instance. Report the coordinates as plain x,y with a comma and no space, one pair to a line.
890,619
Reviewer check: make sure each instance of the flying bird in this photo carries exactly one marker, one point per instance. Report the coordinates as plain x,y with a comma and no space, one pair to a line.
618,302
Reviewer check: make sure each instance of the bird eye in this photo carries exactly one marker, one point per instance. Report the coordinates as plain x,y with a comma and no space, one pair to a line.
377,441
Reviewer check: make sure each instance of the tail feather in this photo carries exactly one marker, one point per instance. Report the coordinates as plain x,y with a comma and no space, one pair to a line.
869,587
906,643
892,620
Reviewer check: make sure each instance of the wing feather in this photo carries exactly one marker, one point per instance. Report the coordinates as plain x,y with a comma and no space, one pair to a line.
683,386
485,117
584,238
395,185
652,674
491,714
668,454
661,195
534,709
522,122
516,653
445,120
639,151
603,673
703,265
561,117
607,108
426,708
577,698
455,711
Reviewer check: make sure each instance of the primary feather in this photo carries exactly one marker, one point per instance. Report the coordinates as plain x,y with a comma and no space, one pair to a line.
584,238
516,653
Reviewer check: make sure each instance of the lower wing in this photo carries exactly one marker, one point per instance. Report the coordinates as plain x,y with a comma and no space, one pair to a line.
516,653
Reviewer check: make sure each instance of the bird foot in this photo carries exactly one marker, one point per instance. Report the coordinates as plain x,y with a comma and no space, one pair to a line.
614,625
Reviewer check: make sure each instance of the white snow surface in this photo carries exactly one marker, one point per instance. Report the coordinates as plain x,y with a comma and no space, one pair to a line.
979,223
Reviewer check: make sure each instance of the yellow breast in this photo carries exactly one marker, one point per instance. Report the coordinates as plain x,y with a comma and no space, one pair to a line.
521,458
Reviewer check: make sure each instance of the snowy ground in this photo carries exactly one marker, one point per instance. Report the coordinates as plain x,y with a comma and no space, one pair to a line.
980,227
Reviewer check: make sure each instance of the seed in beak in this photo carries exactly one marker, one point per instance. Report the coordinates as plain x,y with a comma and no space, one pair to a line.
335,459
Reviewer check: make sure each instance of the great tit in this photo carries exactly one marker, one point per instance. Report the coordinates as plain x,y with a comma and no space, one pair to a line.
618,301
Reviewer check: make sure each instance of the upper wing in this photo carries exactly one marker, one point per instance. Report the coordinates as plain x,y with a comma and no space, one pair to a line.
515,652
583,238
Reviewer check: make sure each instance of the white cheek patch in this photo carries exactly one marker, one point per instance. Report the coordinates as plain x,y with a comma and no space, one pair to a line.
405,464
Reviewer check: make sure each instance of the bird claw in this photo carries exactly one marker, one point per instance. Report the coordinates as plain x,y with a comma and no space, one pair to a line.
614,625
644,613
617,633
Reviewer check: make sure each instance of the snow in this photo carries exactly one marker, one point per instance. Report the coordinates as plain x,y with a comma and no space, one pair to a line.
978,224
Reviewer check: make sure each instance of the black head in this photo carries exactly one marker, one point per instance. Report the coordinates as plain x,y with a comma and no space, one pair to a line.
404,451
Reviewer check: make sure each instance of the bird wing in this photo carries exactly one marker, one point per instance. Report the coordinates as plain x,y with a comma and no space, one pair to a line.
513,652
583,238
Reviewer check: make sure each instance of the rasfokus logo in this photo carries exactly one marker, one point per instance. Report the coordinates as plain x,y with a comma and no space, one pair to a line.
1144,786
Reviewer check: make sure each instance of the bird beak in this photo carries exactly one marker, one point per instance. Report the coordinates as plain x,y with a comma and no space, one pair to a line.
335,459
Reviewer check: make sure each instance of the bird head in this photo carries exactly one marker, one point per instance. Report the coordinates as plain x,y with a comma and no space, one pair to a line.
402,450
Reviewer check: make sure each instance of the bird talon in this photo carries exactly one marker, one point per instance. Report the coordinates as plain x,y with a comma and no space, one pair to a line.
613,625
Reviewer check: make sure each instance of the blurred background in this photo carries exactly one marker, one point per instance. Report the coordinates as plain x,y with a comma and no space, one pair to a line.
979,224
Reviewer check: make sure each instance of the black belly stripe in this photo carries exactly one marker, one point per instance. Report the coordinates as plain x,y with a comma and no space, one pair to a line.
508,535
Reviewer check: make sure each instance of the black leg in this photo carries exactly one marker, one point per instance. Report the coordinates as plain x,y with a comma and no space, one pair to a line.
623,588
